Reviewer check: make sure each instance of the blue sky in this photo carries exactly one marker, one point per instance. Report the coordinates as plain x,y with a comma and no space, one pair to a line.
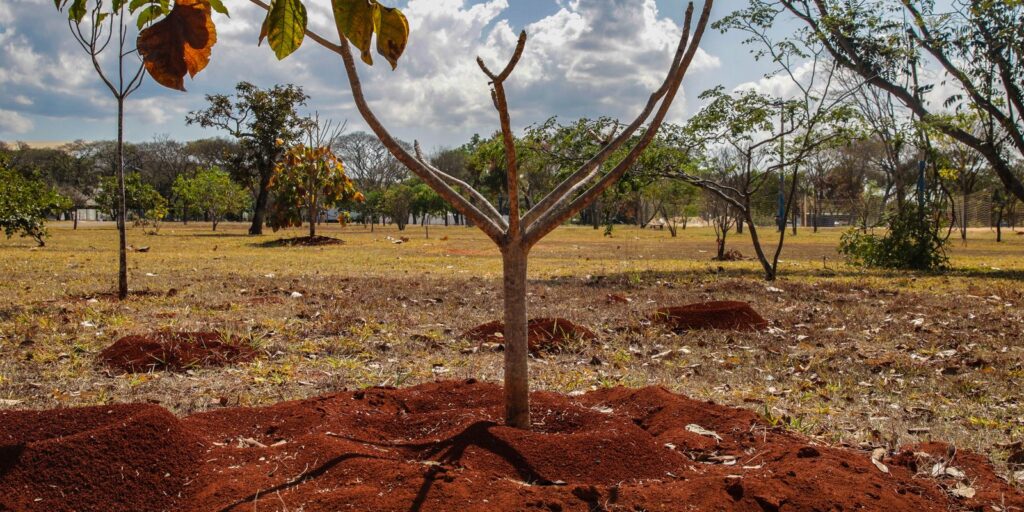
584,58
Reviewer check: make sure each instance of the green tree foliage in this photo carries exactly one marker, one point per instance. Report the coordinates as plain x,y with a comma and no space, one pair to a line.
258,119
212,193
912,242
143,203
26,202
398,202
977,44
309,180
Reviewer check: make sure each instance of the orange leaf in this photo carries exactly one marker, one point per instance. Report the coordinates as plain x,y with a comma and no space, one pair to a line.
178,44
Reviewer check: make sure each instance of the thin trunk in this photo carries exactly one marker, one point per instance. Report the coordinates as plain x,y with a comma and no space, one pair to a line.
517,398
75,218
769,272
963,221
312,219
999,225
122,211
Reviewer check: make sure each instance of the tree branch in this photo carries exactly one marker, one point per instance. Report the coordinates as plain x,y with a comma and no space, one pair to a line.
562,211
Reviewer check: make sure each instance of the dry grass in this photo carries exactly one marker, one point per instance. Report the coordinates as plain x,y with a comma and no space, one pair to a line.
852,356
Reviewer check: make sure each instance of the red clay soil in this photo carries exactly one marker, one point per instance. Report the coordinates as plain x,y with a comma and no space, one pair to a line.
173,351
727,315
442,447
544,334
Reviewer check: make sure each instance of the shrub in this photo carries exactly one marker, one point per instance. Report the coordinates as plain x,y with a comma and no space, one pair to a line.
25,203
912,242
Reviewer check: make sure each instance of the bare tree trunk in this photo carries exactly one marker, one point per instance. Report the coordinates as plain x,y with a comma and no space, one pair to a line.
769,272
963,221
517,400
122,210
75,218
259,210
999,225
312,219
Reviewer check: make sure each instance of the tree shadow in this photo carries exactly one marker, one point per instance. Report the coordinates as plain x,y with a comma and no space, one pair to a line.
450,451
9,457
304,477
300,241
630,279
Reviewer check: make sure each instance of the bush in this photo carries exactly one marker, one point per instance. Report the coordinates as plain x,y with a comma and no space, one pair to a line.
25,203
912,242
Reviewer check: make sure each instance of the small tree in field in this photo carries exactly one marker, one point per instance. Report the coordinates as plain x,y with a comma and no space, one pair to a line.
100,27
258,119
310,179
25,203
212,193
357,21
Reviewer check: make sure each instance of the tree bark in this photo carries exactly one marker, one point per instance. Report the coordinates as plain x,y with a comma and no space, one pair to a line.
259,211
75,218
963,221
313,210
517,400
769,272
122,210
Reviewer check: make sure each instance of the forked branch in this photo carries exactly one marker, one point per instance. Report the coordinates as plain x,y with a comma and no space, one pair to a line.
566,207
588,171
508,138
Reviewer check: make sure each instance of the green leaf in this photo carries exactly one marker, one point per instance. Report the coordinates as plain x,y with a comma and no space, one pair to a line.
135,4
77,11
356,21
116,5
285,26
218,6
149,14
392,34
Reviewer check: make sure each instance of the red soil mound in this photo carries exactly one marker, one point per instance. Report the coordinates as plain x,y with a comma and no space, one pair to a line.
729,315
111,458
441,447
174,351
545,334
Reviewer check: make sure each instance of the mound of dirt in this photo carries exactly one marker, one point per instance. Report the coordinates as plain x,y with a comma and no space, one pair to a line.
728,315
441,446
116,458
545,334
303,241
173,351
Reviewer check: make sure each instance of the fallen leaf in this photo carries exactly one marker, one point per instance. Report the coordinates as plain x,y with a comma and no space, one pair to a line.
699,430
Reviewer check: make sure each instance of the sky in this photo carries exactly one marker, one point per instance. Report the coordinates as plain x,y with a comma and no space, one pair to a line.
584,58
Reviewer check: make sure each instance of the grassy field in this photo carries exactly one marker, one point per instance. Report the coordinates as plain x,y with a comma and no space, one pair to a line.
857,357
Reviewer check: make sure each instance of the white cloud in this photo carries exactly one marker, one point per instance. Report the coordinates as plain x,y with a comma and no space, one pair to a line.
13,123
600,57
782,85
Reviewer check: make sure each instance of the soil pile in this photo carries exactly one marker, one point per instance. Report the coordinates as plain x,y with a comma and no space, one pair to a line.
120,457
441,446
173,351
544,334
728,315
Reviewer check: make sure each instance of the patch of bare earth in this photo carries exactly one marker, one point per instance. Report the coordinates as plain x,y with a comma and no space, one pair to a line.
441,446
